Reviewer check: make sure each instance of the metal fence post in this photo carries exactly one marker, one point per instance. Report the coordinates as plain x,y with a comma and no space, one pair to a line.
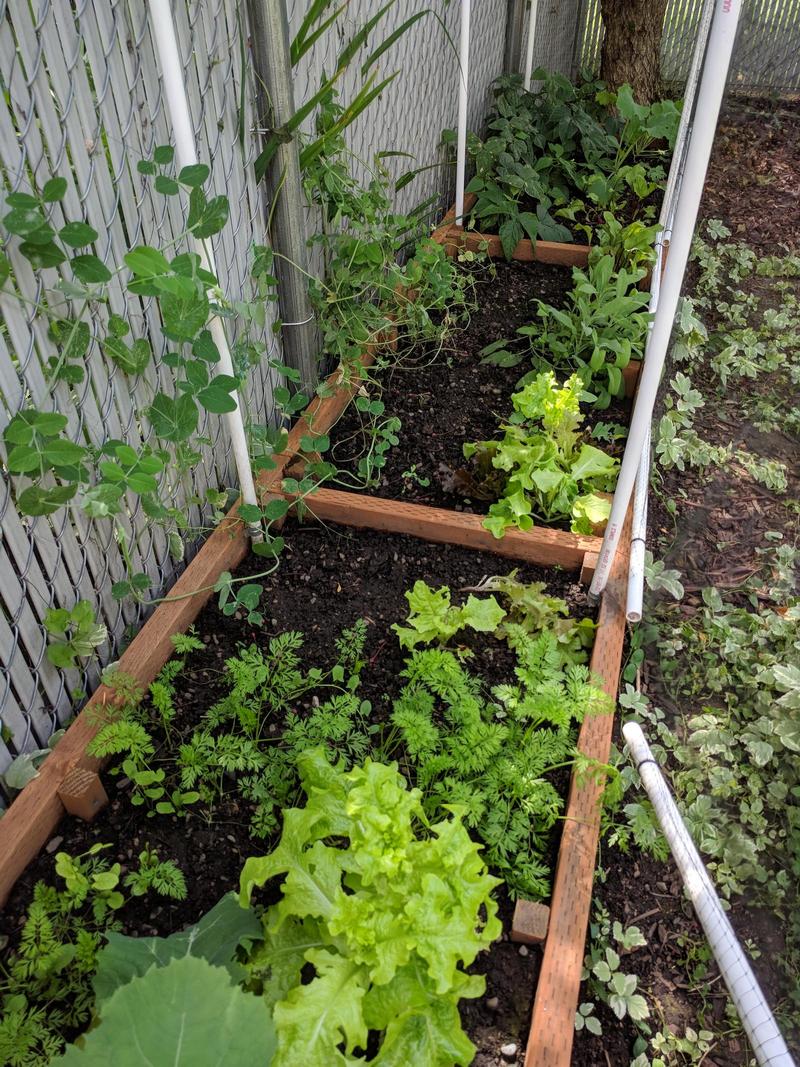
515,17
269,31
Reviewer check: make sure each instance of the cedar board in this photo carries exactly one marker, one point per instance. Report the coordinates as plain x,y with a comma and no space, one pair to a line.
556,1001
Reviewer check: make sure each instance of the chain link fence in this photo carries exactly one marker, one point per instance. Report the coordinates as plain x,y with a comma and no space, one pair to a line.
766,58
82,98
411,113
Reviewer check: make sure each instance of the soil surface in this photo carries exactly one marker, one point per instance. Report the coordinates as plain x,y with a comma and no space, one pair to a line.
446,398
329,577
752,178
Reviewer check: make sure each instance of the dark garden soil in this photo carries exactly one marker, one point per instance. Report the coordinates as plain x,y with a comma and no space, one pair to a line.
712,535
329,577
752,180
447,398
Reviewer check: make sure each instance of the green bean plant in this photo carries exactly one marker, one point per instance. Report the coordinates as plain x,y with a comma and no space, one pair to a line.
563,155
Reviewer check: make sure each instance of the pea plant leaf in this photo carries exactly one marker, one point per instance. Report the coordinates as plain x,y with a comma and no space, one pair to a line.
174,419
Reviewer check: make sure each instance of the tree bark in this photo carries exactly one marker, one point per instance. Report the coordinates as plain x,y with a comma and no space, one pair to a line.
632,46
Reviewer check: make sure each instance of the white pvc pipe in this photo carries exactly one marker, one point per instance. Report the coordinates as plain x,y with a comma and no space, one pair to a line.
186,154
529,49
690,91
635,600
463,100
759,1023
712,87
633,610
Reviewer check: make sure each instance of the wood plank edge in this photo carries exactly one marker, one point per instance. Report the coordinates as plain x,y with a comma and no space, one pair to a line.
454,236
550,1039
541,545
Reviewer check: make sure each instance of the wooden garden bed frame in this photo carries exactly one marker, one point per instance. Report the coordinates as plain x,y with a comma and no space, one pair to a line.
454,237
35,813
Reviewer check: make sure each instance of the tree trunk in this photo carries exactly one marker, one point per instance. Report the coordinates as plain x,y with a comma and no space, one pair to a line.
632,46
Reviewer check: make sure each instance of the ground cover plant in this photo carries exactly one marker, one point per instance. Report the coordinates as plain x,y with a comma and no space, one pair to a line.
713,672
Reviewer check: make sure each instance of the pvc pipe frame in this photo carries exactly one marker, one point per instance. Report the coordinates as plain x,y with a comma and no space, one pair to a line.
186,153
529,49
463,99
635,597
709,99
759,1023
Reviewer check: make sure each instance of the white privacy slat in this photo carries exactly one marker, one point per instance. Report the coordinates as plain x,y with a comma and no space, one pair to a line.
84,99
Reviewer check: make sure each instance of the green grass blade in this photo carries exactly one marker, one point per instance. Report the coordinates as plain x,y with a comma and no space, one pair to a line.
390,40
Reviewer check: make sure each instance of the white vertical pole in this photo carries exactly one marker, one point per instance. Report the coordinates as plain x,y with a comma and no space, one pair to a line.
759,1023
529,49
463,99
635,600
186,153
709,99
634,609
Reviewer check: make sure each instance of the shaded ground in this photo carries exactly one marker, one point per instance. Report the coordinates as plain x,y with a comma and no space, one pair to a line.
710,524
752,178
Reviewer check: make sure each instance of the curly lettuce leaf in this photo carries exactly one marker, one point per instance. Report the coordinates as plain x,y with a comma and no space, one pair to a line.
388,914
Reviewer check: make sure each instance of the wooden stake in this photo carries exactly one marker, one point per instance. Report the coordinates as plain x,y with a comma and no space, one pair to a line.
82,793
530,922
588,567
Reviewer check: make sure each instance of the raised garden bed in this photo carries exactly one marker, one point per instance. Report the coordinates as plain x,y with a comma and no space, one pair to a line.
329,578
445,399
32,819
